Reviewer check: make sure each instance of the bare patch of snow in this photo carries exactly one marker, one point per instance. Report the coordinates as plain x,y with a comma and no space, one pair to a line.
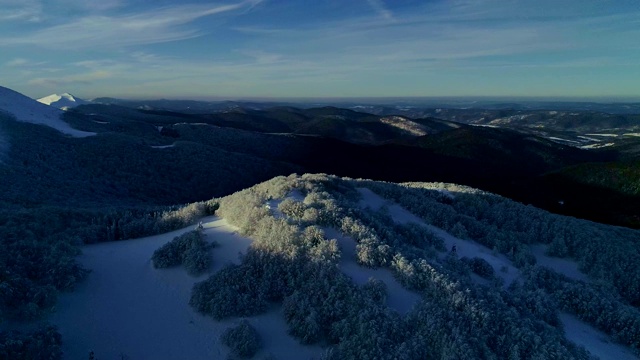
486,125
464,247
605,135
596,146
562,140
274,203
407,125
398,297
185,123
592,339
128,307
588,138
509,119
632,134
163,146
566,267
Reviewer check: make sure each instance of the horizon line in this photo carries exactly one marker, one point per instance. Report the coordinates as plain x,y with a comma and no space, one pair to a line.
491,98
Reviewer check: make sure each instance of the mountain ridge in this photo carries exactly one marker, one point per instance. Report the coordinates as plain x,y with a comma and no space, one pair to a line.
62,101
25,109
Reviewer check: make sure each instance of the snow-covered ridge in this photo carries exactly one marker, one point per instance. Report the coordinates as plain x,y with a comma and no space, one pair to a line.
407,125
25,109
596,146
63,101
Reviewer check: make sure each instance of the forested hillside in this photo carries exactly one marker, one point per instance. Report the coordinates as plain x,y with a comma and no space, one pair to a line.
60,192
470,307
120,167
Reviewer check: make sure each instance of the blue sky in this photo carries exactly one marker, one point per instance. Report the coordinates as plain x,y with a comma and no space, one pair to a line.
321,48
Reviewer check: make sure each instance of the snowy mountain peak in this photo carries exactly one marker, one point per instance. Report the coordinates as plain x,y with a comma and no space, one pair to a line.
62,101
26,109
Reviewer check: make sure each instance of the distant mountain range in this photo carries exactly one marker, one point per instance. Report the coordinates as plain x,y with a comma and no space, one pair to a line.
153,154
406,107
580,124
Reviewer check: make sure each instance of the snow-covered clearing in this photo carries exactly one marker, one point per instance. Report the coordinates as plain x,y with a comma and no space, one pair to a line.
28,110
404,124
592,339
566,267
273,204
501,265
588,138
486,125
596,146
163,146
632,134
126,307
606,135
195,124
398,298
563,140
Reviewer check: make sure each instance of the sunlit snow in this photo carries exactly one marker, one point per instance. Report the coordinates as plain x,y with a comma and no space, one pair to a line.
63,101
28,110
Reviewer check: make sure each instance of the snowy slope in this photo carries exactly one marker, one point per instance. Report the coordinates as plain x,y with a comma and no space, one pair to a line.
127,307
405,124
63,101
25,109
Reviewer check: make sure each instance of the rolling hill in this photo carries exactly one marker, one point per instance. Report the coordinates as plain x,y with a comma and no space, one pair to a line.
349,268
285,139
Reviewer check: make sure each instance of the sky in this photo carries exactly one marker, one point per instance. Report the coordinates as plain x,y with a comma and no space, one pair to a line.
235,49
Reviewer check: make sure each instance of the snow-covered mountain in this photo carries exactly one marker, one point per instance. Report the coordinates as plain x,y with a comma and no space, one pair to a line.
63,101
25,109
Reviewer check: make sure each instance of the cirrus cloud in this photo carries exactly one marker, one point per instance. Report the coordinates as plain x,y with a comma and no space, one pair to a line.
148,27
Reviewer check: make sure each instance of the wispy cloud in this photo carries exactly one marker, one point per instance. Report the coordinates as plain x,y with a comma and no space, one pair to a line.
39,11
20,10
17,62
262,57
458,30
24,63
153,26
380,8
272,48
92,5
82,79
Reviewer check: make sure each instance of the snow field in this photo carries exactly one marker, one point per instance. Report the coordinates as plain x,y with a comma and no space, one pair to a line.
127,307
